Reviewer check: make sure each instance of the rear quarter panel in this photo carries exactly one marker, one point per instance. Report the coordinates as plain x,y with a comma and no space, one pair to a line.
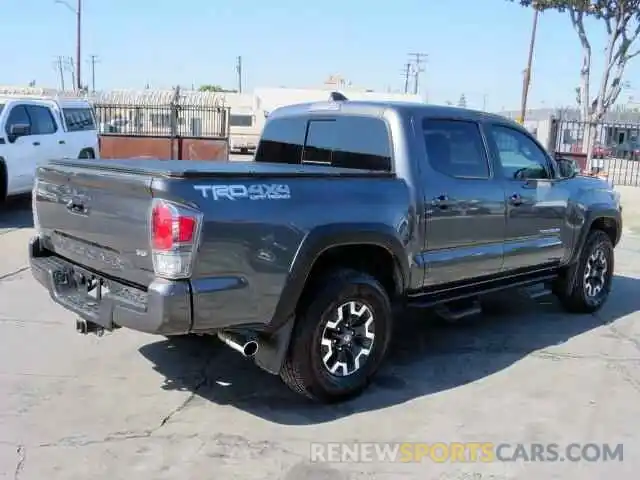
252,250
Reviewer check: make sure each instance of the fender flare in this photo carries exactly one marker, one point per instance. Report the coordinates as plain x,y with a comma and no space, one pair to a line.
593,214
275,343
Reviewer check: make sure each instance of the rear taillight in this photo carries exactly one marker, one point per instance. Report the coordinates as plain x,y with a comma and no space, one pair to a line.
175,231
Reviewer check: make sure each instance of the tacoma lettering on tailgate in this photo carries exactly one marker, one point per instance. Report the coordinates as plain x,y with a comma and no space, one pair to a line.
272,191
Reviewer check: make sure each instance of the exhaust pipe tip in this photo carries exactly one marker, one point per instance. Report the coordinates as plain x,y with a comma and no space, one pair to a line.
248,347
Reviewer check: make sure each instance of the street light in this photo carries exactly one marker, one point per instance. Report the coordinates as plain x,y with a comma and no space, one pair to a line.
78,13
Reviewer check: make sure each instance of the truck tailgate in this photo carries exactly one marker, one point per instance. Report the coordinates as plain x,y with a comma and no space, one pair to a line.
97,219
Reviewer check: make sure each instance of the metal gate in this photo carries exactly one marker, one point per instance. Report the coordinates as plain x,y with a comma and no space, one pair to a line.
162,124
615,148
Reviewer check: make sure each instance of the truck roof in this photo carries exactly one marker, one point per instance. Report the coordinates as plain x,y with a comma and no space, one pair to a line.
62,102
377,107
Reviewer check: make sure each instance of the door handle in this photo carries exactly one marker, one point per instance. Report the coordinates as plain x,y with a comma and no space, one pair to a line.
515,199
441,201
76,207
35,144
61,142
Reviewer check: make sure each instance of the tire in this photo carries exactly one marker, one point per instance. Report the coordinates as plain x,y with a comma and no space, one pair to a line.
581,298
4,183
87,153
304,369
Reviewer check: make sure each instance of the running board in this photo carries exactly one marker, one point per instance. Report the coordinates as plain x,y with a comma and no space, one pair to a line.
450,313
445,295
541,292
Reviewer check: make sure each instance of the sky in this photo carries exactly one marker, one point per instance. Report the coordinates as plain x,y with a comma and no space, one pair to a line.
475,47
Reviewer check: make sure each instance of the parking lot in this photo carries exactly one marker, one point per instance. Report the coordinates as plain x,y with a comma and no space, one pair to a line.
130,405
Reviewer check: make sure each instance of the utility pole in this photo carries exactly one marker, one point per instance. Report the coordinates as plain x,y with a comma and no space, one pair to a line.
527,73
70,67
406,73
239,71
417,64
93,59
60,68
78,13
78,43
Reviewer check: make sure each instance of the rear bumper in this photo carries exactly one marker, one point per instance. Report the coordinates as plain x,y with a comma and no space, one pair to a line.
164,308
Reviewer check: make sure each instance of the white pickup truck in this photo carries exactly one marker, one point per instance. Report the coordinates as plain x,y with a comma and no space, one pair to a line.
34,130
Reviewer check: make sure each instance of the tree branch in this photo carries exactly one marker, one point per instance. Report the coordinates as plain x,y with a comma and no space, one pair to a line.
577,19
614,89
578,24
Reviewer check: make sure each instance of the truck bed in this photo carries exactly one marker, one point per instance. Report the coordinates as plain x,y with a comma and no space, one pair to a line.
202,169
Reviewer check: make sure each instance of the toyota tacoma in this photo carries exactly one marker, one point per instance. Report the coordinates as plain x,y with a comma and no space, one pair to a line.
350,211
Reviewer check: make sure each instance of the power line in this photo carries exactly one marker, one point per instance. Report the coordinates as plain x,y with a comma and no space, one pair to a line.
417,60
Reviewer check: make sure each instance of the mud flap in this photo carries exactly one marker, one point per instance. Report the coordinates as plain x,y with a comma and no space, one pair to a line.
273,350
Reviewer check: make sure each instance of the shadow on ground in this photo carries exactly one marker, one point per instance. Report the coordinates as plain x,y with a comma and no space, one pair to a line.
16,213
426,357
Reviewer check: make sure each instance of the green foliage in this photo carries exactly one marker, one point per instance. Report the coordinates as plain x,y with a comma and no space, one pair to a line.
215,88
608,9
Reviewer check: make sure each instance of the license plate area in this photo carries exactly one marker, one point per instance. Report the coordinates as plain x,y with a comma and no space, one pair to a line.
83,285
93,286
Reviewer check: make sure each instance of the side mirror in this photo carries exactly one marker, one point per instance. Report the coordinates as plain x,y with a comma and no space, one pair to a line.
568,168
18,130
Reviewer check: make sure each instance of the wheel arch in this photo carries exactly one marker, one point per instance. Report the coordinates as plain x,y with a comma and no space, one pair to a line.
331,244
89,151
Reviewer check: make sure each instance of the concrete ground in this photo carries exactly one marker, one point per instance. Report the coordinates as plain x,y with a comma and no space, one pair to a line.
630,197
130,405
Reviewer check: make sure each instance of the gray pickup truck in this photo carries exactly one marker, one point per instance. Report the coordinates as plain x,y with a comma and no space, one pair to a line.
350,211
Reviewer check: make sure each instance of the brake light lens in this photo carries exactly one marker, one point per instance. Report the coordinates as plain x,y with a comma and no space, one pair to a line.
174,237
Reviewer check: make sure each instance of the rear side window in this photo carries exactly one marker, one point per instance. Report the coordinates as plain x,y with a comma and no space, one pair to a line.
79,119
282,140
455,148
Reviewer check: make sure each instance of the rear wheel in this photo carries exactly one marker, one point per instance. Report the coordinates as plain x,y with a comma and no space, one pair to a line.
3,182
340,339
593,276
87,153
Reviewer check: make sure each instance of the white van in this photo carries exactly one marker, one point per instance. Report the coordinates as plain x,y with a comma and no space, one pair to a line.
36,129
244,131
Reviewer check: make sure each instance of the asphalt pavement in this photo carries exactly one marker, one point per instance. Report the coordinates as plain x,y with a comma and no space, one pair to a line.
131,405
